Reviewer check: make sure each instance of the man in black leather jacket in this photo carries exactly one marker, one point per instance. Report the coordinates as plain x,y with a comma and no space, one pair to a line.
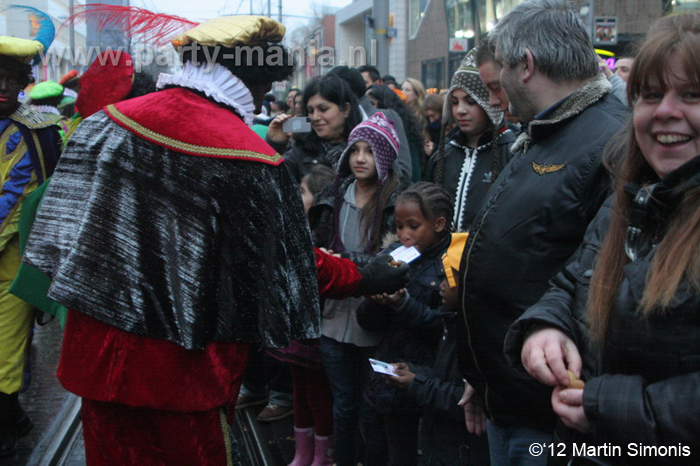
536,212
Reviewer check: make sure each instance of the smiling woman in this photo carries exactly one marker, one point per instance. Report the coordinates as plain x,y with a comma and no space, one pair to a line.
667,115
643,250
333,110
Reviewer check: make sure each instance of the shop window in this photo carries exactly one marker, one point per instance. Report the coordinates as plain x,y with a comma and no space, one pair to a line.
416,11
472,19
685,5
432,73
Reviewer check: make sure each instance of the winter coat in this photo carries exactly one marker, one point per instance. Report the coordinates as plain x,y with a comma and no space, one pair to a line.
467,172
340,323
437,389
299,161
321,219
532,221
643,386
414,330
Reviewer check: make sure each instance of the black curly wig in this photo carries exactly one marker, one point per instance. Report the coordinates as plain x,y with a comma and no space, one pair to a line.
251,64
22,70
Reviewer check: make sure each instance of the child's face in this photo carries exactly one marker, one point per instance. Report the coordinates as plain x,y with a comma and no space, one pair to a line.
414,229
470,117
362,161
306,196
449,294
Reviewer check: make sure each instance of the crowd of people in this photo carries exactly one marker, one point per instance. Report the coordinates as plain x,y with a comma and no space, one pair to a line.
230,259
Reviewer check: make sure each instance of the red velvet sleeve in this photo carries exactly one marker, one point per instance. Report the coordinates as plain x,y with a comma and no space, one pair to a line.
337,278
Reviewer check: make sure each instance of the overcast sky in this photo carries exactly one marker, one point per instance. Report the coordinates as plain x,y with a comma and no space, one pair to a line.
202,10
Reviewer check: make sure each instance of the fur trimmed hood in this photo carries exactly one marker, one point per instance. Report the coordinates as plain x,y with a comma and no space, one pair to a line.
389,239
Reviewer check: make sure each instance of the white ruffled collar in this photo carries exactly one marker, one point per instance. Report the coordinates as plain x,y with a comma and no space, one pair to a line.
216,82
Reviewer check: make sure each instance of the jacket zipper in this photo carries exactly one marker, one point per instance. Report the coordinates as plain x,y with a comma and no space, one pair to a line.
464,314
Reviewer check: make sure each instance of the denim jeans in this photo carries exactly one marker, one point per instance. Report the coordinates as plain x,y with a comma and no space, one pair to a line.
348,369
510,445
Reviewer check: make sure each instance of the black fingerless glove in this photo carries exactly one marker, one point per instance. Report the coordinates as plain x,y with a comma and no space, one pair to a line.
378,276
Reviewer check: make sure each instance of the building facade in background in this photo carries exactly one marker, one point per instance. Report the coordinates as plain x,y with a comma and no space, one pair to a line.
429,38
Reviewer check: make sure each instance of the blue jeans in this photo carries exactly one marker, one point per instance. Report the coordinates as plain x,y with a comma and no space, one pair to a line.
347,368
510,445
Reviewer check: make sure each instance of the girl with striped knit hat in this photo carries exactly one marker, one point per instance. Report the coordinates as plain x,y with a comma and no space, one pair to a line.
471,155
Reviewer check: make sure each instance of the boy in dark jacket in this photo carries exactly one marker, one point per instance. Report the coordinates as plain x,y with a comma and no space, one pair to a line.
446,398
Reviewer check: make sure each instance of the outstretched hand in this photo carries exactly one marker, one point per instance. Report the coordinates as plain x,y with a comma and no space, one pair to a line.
386,299
379,277
547,354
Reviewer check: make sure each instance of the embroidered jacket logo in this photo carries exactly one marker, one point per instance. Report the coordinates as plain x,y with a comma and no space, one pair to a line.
546,168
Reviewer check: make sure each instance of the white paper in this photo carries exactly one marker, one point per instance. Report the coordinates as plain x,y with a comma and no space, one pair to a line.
404,254
382,367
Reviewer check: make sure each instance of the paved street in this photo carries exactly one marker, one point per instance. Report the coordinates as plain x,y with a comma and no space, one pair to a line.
45,395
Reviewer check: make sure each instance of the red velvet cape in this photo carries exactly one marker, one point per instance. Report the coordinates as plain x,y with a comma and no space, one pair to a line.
212,131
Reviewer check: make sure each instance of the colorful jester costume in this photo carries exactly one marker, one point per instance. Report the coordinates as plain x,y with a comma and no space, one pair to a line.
29,148
175,237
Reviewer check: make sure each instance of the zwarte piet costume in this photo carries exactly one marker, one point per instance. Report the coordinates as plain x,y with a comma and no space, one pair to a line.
29,149
176,237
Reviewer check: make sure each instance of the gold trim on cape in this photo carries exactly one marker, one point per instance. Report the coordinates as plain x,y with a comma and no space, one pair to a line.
185,146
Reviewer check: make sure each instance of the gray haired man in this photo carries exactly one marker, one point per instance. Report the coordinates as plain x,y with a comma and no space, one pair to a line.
535,214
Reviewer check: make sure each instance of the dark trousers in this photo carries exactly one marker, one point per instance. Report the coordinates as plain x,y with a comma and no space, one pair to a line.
347,368
266,376
402,436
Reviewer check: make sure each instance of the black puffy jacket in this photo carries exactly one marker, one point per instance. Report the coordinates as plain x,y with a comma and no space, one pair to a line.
643,388
532,221
476,163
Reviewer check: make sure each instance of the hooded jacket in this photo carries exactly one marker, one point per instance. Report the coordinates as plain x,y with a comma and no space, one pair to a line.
468,172
532,221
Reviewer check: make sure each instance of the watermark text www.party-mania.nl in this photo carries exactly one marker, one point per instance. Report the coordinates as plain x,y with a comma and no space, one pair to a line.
240,56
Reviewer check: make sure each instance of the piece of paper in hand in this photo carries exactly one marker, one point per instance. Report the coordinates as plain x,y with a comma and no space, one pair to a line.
382,367
404,254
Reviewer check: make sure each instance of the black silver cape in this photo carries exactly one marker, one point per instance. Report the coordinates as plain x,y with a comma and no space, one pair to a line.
174,246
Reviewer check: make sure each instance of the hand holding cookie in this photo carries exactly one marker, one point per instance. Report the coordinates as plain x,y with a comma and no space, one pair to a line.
574,382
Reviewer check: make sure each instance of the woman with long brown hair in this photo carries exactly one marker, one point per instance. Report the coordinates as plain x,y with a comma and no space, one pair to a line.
414,91
638,329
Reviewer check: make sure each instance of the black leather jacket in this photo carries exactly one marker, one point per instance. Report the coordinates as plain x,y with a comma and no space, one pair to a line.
644,386
532,221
